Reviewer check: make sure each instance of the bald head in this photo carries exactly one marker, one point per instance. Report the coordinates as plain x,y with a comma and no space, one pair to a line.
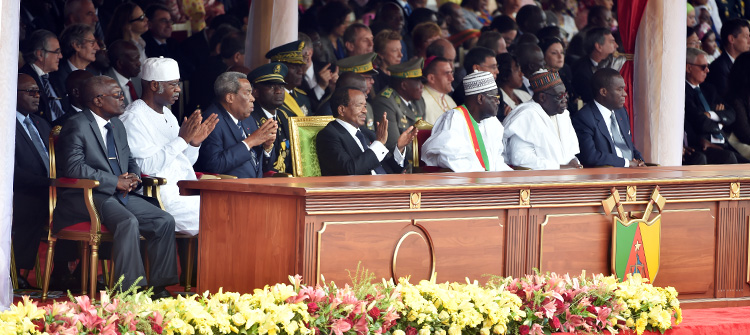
74,83
351,79
125,58
530,58
80,11
103,96
442,48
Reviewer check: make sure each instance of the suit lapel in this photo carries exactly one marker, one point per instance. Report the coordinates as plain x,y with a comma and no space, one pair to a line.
97,134
233,129
602,126
351,146
29,144
623,130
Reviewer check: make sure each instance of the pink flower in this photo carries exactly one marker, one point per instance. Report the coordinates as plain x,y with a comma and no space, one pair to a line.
90,321
340,326
390,314
555,322
523,330
536,329
550,308
603,315
374,313
360,326
411,330
312,308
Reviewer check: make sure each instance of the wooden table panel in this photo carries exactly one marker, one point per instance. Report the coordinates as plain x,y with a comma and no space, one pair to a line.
572,243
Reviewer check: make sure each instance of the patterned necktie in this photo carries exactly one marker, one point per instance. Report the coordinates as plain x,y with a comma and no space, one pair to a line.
131,88
365,146
54,105
618,139
242,130
38,143
113,159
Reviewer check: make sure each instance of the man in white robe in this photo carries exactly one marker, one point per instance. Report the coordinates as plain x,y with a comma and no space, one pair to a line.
452,142
539,134
160,146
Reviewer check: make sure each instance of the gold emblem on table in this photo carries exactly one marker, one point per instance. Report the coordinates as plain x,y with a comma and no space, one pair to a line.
415,200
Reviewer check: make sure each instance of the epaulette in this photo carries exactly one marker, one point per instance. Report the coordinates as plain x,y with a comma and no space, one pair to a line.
300,91
387,92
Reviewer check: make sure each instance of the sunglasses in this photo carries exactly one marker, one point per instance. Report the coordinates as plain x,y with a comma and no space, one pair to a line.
140,18
32,92
702,66
558,97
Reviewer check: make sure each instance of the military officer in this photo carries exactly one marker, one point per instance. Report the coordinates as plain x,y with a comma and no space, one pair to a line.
269,92
401,100
296,101
360,64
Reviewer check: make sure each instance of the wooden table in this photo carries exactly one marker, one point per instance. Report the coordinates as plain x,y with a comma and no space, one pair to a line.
456,225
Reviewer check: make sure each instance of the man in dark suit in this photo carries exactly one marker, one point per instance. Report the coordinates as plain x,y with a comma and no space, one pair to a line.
94,145
599,45
41,52
159,41
705,114
125,62
232,53
602,126
236,146
735,39
31,177
346,147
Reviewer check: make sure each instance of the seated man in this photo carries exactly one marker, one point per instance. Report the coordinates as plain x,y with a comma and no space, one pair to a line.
538,133
345,147
602,126
160,146
268,91
237,146
30,177
94,145
470,137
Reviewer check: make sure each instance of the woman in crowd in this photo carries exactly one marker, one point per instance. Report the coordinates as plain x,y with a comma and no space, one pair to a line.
128,23
387,45
509,80
554,56
708,44
333,19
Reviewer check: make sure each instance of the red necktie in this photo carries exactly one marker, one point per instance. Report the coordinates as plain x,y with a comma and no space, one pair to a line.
133,95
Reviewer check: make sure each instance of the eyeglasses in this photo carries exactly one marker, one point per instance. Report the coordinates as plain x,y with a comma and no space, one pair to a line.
57,52
165,21
118,95
91,42
496,97
140,18
703,67
559,97
32,92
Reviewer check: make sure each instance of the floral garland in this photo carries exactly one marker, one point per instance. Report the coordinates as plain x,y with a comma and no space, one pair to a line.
537,304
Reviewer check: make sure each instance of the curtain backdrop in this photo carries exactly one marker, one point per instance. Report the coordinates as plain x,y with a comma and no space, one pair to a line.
270,24
8,70
659,90
629,18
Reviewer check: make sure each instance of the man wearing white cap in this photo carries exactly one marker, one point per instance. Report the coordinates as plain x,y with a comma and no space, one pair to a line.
469,137
159,145
539,134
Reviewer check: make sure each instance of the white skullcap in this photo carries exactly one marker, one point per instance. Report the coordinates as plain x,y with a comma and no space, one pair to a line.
479,82
160,69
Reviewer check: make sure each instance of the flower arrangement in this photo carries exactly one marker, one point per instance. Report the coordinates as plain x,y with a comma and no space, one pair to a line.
536,304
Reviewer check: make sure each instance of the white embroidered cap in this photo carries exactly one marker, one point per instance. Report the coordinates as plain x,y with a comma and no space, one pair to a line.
160,69
479,82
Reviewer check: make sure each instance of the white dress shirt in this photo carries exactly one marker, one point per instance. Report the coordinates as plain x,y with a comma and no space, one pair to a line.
607,116
377,147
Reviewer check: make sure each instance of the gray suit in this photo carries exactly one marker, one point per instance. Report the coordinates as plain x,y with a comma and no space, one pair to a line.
136,85
81,153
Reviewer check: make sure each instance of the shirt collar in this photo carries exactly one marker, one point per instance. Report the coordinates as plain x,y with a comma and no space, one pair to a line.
122,80
72,67
234,119
20,117
602,109
268,114
594,62
691,85
730,57
99,121
38,70
404,100
348,126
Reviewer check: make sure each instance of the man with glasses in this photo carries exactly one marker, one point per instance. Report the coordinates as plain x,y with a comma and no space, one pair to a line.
94,145
31,177
269,91
159,41
41,53
159,145
705,114
603,127
469,137
79,49
538,133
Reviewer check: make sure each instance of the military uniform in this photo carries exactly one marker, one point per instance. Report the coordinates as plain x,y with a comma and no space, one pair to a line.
296,102
400,115
274,73
361,64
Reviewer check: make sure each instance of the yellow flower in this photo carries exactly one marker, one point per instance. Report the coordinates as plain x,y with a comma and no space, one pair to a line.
425,331
399,332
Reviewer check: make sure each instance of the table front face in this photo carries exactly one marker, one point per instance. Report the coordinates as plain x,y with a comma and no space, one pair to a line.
474,231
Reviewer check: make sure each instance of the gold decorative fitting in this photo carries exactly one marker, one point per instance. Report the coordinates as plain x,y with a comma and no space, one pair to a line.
524,197
415,200
94,239
631,193
734,190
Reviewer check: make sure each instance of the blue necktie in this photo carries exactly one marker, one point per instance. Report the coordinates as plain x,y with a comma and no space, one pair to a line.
242,130
38,143
618,139
408,9
365,146
54,105
113,159
702,98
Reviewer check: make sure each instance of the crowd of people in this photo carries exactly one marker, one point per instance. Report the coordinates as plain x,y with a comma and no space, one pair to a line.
534,86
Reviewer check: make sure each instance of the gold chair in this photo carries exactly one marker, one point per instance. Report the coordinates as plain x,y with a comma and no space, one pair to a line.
303,131
425,130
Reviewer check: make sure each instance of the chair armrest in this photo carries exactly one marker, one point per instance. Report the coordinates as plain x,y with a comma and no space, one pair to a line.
652,164
74,183
280,175
519,168
225,176
149,181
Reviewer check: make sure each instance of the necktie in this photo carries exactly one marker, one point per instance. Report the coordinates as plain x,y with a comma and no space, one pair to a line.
242,130
113,160
702,98
37,140
618,139
133,94
408,9
54,106
365,146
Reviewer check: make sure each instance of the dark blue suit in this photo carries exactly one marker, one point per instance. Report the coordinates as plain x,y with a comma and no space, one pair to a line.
223,151
719,72
597,147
